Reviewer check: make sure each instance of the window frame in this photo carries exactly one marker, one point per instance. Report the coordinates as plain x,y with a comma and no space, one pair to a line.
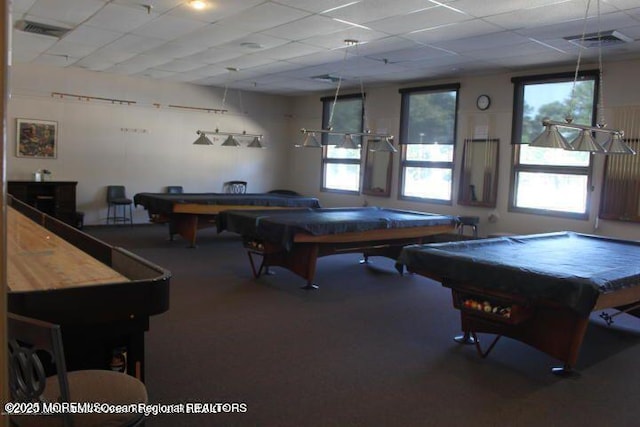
516,138
327,104
425,164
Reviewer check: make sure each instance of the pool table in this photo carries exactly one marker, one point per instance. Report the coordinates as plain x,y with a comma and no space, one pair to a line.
186,213
295,239
539,289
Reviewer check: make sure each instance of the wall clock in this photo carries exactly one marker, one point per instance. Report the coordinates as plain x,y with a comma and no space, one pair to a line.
483,102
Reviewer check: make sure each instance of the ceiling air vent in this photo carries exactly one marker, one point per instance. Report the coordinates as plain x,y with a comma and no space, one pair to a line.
325,78
42,29
602,39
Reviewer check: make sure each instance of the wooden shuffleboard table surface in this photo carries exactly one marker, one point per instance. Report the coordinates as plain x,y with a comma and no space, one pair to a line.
38,259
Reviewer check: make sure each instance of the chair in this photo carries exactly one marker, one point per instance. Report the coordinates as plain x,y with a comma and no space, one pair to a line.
117,197
31,339
235,187
469,221
174,189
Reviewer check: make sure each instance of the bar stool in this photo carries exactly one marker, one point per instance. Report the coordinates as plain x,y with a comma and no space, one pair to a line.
117,196
469,221
235,187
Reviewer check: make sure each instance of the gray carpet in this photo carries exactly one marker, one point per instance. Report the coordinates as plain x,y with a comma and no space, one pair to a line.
369,348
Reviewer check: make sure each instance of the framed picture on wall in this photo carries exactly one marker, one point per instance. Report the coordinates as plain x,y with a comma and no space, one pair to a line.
36,138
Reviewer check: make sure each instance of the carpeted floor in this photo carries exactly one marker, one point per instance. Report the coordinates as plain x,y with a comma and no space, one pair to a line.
369,348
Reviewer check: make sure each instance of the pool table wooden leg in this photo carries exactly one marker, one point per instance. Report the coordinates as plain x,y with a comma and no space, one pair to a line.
187,227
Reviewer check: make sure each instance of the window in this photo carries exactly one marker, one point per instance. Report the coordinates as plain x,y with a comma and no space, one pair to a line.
341,166
427,134
551,181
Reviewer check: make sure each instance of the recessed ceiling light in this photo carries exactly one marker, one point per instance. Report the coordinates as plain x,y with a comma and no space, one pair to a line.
198,4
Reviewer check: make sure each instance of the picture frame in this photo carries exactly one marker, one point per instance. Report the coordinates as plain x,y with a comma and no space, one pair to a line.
36,138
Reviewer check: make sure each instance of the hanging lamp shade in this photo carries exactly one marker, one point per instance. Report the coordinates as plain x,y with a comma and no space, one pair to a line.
348,142
615,145
231,142
255,143
202,140
384,146
551,138
586,142
310,141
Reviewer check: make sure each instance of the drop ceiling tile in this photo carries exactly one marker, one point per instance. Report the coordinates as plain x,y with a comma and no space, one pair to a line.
246,61
168,27
487,41
71,49
132,43
214,55
252,43
384,45
185,77
623,4
336,40
216,11
430,18
367,11
33,42
321,57
275,67
55,60
21,6
106,54
155,74
634,13
316,6
317,70
289,50
449,62
264,16
565,11
522,49
95,62
307,27
91,36
611,21
454,31
180,65
115,17
176,50
159,6
525,61
213,35
446,49
369,67
71,12
480,9
144,61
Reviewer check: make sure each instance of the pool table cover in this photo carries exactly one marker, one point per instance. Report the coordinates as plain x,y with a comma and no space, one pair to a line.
164,202
564,267
281,226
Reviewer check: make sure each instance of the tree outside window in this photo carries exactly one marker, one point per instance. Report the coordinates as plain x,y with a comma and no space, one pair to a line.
427,135
341,166
551,181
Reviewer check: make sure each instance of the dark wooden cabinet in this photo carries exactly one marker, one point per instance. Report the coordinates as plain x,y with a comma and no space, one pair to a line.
56,198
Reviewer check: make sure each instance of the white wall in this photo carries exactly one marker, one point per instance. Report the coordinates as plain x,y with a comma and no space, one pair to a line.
94,150
143,146
383,112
